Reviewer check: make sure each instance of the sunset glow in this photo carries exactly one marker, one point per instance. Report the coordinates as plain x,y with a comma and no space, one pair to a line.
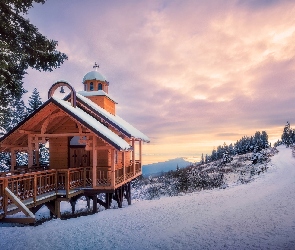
189,74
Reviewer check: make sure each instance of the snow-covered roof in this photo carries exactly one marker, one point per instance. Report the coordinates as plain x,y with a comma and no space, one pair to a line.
114,119
95,126
94,75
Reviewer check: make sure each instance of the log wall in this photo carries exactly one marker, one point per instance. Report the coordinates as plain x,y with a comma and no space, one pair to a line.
58,153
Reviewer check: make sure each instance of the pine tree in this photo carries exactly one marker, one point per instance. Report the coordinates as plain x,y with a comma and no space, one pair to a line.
34,101
206,158
22,46
286,136
264,138
13,114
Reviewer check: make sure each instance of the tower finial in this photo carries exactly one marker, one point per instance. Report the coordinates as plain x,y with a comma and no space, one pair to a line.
96,66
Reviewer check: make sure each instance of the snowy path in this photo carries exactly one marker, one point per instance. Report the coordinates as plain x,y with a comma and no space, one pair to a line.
257,215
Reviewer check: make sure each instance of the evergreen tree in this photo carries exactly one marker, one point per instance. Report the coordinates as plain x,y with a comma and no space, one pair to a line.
264,138
22,46
206,158
244,145
13,114
287,135
34,101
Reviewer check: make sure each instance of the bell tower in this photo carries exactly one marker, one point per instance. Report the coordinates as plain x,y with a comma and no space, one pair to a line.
96,88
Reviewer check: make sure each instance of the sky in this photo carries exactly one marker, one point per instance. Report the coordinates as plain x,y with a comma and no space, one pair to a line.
191,75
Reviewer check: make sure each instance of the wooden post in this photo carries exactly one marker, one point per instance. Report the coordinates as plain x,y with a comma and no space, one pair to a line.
67,182
5,197
35,188
133,156
13,159
30,151
113,177
88,201
84,177
94,162
108,200
123,163
56,181
37,153
127,189
57,209
94,204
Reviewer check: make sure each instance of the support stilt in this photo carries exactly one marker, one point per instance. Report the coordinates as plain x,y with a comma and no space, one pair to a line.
94,197
73,204
88,201
127,194
57,209
119,196
108,200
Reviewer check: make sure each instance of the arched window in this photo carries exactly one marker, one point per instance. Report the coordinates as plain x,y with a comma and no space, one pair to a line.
99,86
91,86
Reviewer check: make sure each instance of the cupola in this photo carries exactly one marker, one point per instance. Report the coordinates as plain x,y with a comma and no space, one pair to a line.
96,89
94,81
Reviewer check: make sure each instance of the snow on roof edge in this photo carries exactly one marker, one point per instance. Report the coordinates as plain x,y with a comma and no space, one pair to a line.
116,119
96,125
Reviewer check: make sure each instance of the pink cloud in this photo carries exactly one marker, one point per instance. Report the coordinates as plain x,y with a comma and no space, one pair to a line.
191,71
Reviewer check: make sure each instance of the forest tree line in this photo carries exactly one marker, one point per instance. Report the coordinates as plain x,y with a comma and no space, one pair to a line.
246,144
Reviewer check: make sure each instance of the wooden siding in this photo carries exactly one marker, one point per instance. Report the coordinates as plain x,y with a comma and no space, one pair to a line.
67,125
58,153
104,102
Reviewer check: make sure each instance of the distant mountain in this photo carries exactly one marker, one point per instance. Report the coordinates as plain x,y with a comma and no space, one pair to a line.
155,169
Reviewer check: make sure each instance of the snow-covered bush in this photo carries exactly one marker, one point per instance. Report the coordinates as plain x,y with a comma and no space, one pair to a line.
241,169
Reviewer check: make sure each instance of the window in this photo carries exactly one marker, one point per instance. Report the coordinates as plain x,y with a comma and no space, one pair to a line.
91,86
99,86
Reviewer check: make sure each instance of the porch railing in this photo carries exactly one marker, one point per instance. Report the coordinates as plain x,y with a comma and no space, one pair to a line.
74,178
103,176
130,173
29,186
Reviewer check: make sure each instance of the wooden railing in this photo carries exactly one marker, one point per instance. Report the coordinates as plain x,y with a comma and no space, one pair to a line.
137,167
22,170
103,176
130,173
30,186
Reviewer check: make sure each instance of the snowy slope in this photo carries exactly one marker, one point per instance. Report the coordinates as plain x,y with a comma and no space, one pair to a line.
257,215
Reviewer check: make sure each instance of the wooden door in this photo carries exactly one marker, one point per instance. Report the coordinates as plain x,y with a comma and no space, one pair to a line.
79,157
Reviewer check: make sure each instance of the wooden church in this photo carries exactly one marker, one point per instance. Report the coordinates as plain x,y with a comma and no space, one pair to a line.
92,150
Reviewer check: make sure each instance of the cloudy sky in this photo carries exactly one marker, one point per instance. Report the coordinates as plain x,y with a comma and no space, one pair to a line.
189,74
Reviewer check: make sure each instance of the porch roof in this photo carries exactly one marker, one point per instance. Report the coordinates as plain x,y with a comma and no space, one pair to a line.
19,139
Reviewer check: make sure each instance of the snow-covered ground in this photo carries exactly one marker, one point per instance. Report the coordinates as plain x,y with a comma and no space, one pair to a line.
257,215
